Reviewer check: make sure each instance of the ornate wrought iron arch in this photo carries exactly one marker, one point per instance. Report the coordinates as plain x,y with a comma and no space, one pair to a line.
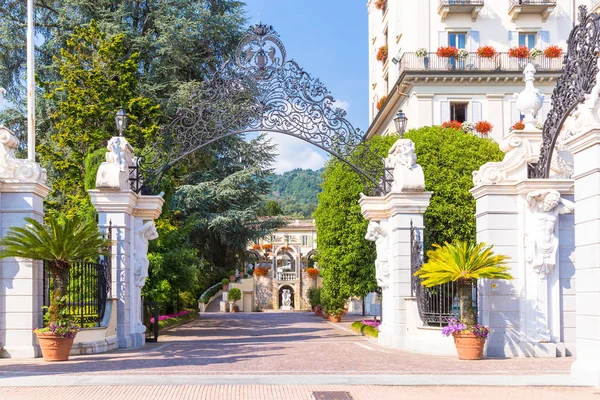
260,90
578,79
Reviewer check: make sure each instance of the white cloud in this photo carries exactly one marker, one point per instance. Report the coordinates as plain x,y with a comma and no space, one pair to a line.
295,153
343,104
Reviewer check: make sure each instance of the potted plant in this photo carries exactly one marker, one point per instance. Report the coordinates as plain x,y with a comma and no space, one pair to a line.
256,246
487,51
452,125
483,128
335,314
318,309
519,52
267,246
314,297
447,51
225,283
467,127
518,126
231,274
381,102
59,243
463,263
260,271
422,53
382,53
553,52
312,273
535,53
381,4
234,295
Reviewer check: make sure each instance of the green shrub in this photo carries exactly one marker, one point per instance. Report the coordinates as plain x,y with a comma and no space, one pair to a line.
234,295
205,298
314,296
176,321
225,281
231,272
365,330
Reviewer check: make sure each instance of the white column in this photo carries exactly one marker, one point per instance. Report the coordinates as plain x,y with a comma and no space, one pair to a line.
22,193
586,151
127,212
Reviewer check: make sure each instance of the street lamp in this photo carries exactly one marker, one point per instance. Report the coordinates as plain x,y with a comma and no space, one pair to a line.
400,121
121,121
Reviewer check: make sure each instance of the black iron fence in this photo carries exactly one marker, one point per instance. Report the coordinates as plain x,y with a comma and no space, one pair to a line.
88,291
501,62
461,2
532,2
438,304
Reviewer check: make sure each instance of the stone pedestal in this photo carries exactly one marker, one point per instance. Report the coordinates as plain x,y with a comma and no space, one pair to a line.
22,193
586,151
131,217
394,213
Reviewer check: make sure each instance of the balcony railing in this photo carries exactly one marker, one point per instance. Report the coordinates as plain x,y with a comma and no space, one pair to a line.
542,7
472,7
286,276
473,63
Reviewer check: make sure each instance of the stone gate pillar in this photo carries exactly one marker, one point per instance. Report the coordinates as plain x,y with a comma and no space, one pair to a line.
586,151
22,192
132,219
390,220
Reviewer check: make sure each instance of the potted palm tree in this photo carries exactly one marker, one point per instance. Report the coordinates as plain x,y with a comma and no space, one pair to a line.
59,243
464,262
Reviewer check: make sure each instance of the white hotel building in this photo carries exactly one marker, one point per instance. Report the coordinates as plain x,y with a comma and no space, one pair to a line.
432,89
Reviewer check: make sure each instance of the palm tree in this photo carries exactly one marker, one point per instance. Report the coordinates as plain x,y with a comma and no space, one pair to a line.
462,262
60,243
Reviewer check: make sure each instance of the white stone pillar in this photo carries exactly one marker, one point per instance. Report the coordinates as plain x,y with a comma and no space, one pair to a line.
22,192
586,151
131,216
391,217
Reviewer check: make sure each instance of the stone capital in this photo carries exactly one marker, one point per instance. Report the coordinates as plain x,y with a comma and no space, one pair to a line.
113,200
378,208
149,207
583,141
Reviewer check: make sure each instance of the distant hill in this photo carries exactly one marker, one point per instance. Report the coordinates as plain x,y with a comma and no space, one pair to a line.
296,191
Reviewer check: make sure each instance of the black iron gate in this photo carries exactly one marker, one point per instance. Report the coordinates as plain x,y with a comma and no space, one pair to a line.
438,304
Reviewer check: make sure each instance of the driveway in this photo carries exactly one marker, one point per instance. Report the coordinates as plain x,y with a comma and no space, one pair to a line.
272,344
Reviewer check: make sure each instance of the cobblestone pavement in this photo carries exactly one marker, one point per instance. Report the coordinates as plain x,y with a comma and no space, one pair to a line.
270,343
293,392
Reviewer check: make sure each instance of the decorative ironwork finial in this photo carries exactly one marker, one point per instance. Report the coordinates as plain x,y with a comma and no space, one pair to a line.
583,13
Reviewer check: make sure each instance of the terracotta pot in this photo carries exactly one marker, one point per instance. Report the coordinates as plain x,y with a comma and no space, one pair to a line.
468,346
235,309
53,347
335,318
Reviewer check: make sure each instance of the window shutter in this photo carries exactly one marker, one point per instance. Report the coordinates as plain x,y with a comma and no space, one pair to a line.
445,111
513,38
546,107
476,111
443,38
544,39
515,115
474,37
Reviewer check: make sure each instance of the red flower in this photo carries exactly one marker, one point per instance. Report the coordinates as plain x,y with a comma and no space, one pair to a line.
381,102
486,52
452,125
483,127
256,246
312,272
553,52
518,126
449,51
267,246
382,53
519,52
380,4
260,271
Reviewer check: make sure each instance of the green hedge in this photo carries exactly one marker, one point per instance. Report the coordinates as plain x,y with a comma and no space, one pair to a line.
210,293
176,321
365,330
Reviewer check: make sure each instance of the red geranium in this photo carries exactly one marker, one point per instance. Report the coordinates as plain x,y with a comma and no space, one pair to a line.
382,53
452,125
518,126
267,246
256,246
519,52
381,102
553,52
380,4
483,127
312,272
260,271
449,51
486,52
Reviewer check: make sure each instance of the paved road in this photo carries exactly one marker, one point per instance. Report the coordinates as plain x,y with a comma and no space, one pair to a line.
276,356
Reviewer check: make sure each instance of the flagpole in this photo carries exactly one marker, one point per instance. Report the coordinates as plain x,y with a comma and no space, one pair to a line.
30,83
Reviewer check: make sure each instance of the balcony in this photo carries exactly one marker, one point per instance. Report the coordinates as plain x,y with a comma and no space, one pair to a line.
540,7
447,7
475,64
286,276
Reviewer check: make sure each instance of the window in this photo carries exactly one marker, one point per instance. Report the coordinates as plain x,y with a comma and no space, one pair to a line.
527,39
458,111
304,240
457,39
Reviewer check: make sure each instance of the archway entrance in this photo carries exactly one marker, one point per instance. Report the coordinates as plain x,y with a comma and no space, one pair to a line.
260,90
286,298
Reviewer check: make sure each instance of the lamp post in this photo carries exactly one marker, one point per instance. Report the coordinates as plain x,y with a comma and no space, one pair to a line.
121,121
400,122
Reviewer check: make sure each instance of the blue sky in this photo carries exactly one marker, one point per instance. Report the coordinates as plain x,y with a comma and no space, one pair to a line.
329,39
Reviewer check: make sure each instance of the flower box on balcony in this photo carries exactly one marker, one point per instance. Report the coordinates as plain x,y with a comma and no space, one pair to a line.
445,52
518,126
553,52
452,125
483,128
381,102
487,52
519,52
382,53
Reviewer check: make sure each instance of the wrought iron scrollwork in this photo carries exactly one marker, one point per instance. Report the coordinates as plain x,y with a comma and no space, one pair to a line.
578,78
261,91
